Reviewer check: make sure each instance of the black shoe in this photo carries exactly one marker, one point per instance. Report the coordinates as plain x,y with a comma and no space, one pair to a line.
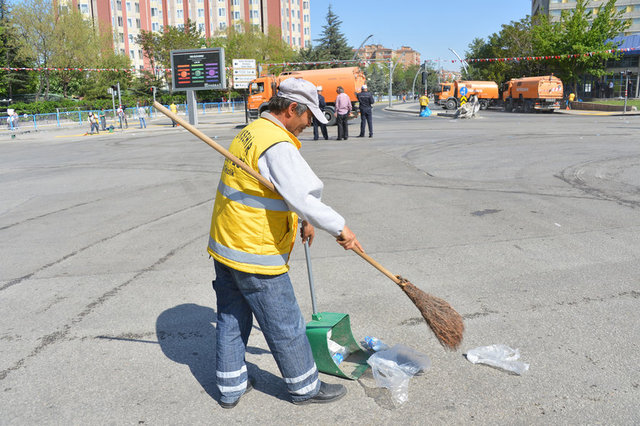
234,403
315,139
370,136
328,393
360,136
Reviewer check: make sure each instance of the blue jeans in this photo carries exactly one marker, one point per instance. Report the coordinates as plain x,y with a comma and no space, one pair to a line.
271,299
143,123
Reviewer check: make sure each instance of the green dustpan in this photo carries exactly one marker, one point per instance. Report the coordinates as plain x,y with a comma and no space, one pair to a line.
339,326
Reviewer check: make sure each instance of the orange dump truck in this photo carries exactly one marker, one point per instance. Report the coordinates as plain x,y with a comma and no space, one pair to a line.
542,93
449,95
350,78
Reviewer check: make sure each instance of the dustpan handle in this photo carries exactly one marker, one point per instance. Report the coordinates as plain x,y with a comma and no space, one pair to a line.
307,255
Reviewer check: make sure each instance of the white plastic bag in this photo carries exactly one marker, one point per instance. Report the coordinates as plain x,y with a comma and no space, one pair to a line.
500,356
393,368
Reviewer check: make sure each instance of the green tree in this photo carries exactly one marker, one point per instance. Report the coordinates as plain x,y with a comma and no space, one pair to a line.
248,42
76,45
158,46
332,44
33,33
578,32
513,40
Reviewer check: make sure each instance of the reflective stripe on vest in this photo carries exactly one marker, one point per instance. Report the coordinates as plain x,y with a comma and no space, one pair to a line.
242,257
252,200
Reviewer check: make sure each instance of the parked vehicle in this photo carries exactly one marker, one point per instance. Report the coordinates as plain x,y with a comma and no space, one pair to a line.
350,78
541,93
449,95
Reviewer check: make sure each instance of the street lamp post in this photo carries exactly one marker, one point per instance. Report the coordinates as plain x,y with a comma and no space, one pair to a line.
355,54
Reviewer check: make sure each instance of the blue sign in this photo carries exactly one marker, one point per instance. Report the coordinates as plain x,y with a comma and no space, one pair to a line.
463,91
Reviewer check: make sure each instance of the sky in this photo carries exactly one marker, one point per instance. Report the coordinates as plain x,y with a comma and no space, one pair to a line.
430,27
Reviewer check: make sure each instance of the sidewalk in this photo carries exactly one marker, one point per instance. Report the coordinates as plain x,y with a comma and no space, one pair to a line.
159,123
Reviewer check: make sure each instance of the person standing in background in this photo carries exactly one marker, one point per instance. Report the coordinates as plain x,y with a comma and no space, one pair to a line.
343,108
365,102
142,116
174,109
323,127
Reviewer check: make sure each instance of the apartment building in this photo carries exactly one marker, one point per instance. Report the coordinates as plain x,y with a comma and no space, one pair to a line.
405,55
553,8
128,17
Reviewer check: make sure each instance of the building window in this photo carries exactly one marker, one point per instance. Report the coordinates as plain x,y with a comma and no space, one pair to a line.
200,13
222,25
201,27
236,15
119,4
137,22
119,21
179,13
132,54
129,22
137,5
84,8
122,40
128,7
154,11
155,26
221,12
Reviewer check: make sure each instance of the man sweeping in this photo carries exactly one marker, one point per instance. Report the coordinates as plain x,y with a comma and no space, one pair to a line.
253,230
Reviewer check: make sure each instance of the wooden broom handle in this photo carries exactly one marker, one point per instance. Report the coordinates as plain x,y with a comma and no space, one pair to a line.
378,266
206,139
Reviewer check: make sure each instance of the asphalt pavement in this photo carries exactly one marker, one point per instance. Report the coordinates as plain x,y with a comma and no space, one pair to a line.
526,223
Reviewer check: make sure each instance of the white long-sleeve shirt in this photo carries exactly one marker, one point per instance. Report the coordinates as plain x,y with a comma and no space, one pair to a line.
283,165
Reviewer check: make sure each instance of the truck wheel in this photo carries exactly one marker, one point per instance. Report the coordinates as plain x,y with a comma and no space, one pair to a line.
484,104
528,106
508,105
451,104
330,115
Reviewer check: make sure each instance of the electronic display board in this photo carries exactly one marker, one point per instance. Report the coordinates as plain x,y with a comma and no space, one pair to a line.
198,69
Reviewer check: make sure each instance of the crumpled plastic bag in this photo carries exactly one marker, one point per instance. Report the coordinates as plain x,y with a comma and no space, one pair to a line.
393,368
499,356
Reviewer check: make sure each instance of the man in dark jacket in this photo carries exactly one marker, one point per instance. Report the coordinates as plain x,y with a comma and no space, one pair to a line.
365,100
321,104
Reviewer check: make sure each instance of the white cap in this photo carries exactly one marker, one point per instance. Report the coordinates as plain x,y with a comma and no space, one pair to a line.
364,86
303,92
319,88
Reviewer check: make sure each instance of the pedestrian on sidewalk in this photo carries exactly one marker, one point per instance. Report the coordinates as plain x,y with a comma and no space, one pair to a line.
93,123
253,230
174,109
343,108
103,119
142,116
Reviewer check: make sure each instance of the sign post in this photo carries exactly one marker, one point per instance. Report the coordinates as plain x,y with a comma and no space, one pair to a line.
244,72
197,69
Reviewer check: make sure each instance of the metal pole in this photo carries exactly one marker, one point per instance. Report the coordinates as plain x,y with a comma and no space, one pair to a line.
358,50
390,80
119,98
626,93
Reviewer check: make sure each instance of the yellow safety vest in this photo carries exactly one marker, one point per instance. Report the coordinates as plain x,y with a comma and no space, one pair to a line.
252,228
424,101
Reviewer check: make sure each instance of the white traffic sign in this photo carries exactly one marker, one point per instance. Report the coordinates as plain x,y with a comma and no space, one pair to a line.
244,71
244,63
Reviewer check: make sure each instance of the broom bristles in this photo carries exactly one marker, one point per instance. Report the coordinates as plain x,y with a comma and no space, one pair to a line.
443,320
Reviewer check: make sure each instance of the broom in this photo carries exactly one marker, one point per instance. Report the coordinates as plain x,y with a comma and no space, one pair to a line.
444,321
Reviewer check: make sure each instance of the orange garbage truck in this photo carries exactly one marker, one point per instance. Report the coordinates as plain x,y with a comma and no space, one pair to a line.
450,95
528,94
350,78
